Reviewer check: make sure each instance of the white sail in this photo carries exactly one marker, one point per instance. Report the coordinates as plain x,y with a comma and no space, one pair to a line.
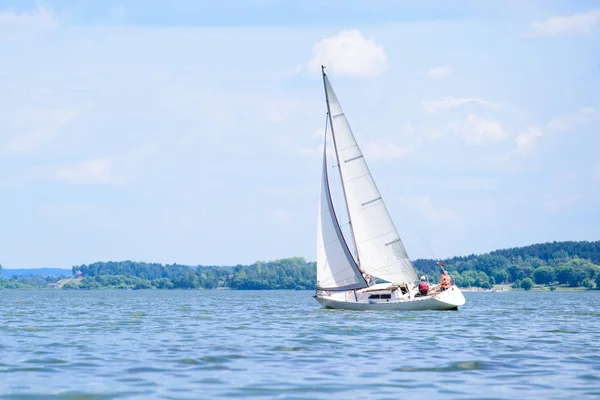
336,268
378,245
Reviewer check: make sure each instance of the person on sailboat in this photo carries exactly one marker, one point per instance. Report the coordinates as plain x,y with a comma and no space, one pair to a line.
423,286
445,281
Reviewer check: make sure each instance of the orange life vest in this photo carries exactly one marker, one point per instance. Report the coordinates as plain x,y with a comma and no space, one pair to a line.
445,281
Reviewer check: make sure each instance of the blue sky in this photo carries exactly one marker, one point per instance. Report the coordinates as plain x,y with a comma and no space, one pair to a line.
190,132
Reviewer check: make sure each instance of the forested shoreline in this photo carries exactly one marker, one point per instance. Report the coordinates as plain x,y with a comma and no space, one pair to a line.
570,264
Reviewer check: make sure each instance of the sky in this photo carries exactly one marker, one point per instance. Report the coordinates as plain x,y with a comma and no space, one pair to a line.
190,131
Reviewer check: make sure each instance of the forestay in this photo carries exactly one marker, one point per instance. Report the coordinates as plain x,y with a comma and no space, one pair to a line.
379,247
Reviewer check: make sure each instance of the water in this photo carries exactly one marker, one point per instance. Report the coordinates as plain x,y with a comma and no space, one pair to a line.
280,344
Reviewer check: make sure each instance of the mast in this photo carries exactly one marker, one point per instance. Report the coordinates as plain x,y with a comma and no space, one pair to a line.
340,169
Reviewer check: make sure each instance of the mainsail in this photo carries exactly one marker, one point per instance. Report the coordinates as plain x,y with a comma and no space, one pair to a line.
380,251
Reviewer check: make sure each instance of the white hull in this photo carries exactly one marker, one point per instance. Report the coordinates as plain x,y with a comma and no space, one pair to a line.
449,299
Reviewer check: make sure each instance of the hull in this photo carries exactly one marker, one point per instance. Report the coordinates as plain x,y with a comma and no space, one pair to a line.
449,299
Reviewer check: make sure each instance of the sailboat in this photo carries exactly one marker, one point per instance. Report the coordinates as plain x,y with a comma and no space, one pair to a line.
351,257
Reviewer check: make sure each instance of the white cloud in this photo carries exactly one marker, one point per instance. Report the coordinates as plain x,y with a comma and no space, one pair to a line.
14,26
557,124
383,149
574,24
475,184
425,206
36,127
572,120
349,53
296,69
440,72
281,215
588,110
451,102
526,140
95,171
274,110
476,130
553,203
303,144
315,151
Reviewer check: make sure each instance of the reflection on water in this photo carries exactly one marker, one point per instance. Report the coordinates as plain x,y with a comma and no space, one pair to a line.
208,344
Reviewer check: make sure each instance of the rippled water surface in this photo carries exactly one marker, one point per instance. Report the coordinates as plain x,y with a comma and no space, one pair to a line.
267,344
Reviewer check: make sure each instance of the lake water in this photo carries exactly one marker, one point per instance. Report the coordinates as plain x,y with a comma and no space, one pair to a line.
280,344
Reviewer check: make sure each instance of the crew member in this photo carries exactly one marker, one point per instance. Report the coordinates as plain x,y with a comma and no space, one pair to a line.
445,281
423,286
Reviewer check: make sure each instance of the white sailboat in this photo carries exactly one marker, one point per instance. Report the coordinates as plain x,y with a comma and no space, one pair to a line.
371,247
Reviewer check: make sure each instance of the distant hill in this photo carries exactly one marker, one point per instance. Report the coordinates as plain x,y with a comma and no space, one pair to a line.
546,252
572,263
9,273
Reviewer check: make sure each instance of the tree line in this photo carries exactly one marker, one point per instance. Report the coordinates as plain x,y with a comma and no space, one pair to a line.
559,263
289,273
29,281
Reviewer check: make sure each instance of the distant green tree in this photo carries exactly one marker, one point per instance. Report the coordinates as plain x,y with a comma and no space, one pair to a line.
476,278
89,283
526,271
560,256
527,284
457,279
33,280
544,275
488,262
516,284
547,251
598,282
587,283
535,262
162,283
563,273
587,266
577,277
110,281
500,276
70,285
513,273
187,281
143,284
